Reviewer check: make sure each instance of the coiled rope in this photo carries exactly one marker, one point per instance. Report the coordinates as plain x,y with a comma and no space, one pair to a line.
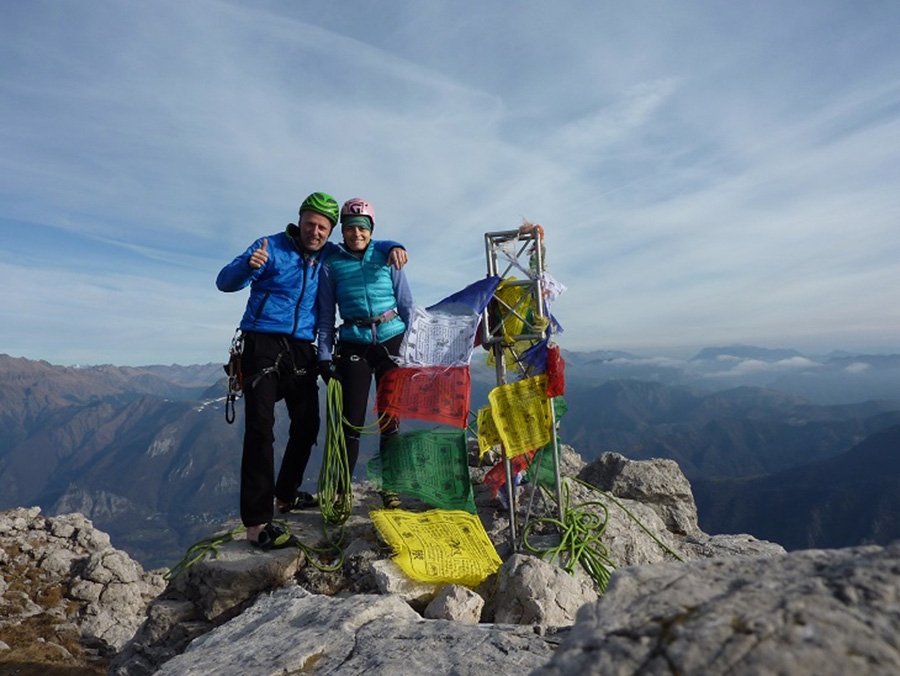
335,489
581,529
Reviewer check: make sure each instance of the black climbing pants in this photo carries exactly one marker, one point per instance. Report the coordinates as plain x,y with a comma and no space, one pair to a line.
357,364
276,367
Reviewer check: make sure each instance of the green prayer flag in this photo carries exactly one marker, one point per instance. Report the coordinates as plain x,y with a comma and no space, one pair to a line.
431,465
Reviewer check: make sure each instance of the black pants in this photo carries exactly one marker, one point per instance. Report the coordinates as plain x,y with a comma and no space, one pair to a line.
356,364
276,367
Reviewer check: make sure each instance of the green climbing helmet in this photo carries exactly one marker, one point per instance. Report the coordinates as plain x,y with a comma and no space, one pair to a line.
321,203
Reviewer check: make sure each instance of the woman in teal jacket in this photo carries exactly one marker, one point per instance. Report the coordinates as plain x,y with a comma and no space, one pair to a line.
375,304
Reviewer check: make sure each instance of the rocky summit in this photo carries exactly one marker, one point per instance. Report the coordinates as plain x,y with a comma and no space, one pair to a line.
67,598
678,600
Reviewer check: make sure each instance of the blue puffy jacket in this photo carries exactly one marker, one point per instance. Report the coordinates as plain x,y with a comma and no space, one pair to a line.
283,291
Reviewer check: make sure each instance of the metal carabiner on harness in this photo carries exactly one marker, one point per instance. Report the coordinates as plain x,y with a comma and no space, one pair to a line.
235,378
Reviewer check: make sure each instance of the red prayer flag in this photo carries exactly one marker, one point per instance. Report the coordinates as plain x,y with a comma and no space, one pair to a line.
495,479
437,394
556,372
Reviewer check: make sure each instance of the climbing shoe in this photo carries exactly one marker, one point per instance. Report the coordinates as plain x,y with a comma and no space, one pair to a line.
274,536
302,500
390,500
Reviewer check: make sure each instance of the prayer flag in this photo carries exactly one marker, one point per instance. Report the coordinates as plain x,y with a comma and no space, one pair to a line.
444,334
431,393
430,465
488,436
439,545
438,339
521,411
473,299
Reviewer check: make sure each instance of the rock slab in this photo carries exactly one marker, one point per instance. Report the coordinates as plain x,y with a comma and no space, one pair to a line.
293,631
808,612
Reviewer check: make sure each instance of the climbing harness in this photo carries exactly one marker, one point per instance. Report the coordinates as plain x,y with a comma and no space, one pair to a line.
374,322
235,379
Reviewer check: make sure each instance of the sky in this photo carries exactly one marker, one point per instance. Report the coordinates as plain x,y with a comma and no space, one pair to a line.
706,173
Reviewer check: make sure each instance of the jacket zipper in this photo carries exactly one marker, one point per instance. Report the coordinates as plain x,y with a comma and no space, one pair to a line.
306,265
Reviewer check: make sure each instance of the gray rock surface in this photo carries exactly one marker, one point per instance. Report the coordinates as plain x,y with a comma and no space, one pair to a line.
353,615
293,631
66,595
536,594
530,591
456,603
658,483
808,612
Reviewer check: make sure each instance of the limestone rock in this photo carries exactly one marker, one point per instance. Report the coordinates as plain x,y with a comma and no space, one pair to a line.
293,631
67,595
658,483
359,613
392,580
220,584
530,591
808,612
456,603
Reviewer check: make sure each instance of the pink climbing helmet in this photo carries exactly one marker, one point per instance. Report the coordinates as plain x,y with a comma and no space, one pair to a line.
357,207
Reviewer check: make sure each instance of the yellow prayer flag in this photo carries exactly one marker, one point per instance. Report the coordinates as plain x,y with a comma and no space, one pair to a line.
521,412
438,545
488,436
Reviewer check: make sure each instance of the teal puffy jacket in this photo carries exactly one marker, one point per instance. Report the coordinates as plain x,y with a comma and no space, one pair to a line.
361,288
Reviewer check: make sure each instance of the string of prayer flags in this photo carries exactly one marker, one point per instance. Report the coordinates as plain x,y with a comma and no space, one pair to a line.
521,412
432,465
432,393
438,546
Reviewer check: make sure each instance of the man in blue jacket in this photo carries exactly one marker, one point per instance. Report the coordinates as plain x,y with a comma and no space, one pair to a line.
279,360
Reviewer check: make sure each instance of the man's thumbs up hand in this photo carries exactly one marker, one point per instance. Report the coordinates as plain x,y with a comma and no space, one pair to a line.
259,257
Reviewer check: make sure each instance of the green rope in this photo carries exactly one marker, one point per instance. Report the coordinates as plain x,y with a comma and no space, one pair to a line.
335,492
581,531
200,549
580,540
210,545
644,528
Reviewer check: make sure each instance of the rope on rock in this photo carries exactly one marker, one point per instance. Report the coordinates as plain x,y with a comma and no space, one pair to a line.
211,545
200,549
581,530
580,543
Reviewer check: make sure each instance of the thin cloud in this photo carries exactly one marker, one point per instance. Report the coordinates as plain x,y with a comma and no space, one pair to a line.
705,174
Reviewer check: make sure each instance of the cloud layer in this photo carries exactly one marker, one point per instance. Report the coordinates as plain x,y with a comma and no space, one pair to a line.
705,174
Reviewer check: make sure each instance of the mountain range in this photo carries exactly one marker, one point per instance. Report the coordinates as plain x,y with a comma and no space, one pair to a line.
146,454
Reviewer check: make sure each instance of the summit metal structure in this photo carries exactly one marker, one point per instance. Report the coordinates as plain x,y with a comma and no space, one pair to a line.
519,250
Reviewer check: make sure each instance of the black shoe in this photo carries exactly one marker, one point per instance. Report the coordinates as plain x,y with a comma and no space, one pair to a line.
390,500
274,536
302,500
